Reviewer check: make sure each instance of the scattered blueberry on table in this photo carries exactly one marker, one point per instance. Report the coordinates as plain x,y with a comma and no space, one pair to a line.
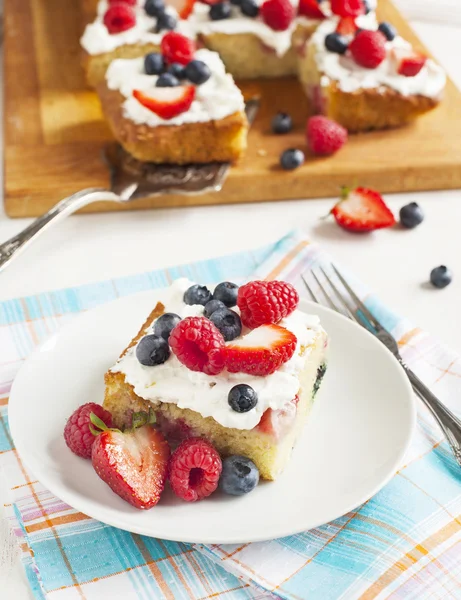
441,276
282,123
411,215
291,159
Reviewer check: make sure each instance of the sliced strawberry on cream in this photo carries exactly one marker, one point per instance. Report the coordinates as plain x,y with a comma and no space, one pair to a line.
260,352
346,26
167,102
408,62
310,9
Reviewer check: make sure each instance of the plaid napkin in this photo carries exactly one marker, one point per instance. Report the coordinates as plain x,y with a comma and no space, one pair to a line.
403,543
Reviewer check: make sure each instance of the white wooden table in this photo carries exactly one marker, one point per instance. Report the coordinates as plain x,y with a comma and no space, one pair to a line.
396,263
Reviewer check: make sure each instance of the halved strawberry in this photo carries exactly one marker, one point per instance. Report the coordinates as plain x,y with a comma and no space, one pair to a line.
167,102
408,62
310,9
346,26
185,10
277,422
260,352
362,210
133,464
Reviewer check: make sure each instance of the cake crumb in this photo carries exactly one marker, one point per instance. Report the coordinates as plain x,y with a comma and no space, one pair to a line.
262,152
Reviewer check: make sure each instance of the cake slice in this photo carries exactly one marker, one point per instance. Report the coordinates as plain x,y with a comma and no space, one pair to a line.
190,403
194,116
122,30
397,87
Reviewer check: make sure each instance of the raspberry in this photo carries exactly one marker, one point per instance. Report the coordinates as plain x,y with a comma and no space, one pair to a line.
130,2
77,432
347,8
265,302
194,469
199,345
368,48
177,48
277,14
324,135
119,17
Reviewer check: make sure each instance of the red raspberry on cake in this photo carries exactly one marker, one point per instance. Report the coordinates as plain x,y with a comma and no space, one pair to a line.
119,17
368,48
194,469
198,344
265,302
177,48
262,351
77,432
277,14
325,136
347,8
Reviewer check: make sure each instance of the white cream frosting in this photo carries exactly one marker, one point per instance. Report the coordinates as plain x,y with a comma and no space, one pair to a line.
96,38
215,99
280,41
206,394
350,76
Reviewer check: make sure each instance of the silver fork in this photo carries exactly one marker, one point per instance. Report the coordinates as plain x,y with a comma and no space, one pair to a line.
349,304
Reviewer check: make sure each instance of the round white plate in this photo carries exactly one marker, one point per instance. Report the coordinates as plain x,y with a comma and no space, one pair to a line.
354,441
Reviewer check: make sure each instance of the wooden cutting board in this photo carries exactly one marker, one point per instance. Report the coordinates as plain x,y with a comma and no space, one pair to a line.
54,130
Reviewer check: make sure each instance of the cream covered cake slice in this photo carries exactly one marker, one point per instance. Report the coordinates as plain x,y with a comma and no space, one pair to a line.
239,367
363,75
175,106
126,29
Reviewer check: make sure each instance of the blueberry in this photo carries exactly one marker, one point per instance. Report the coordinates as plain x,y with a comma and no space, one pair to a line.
242,398
366,6
152,350
197,294
219,11
282,123
291,159
388,30
211,306
239,475
154,63
177,70
154,8
165,324
197,71
167,80
249,8
441,276
236,2
226,292
411,215
228,322
165,21
335,42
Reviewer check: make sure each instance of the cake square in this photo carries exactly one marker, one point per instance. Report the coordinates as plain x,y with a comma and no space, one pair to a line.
193,404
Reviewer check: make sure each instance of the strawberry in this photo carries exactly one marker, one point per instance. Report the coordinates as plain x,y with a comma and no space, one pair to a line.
277,422
368,48
260,352
167,102
347,8
277,14
408,62
310,9
362,210
177,48
133,464
346,26
186,9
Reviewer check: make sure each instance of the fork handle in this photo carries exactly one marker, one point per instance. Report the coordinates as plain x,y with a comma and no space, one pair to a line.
448,422
15,245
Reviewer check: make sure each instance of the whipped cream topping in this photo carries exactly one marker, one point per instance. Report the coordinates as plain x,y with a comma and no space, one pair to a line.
350,76
215,99
207,394
96,38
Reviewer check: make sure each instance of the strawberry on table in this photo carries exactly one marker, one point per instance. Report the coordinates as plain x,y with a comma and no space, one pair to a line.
133,464
408,62
261,352
310,9
362,210
167,102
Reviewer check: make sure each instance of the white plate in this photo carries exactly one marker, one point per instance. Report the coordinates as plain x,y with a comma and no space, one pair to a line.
359,429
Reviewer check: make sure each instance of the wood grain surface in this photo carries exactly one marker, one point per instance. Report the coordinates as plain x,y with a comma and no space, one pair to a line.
55,133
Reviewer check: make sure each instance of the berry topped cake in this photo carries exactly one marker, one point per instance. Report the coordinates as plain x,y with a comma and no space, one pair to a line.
238,367
177,105
124,29
363,75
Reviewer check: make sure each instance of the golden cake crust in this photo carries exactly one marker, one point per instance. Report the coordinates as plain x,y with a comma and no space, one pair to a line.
223,140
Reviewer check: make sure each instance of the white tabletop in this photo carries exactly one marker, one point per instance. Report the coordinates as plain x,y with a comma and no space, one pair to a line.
396,263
